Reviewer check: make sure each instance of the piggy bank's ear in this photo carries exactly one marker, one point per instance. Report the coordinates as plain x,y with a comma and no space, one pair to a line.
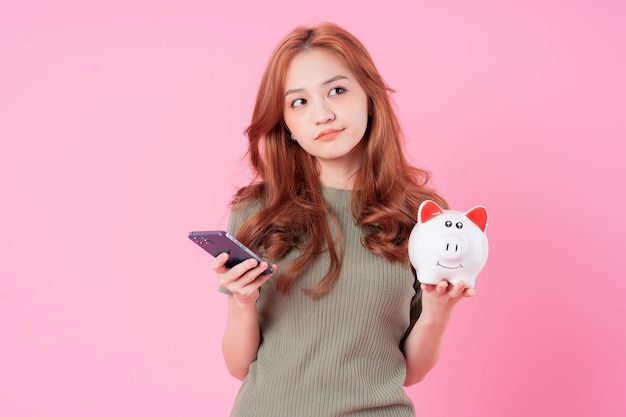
478,215
428,209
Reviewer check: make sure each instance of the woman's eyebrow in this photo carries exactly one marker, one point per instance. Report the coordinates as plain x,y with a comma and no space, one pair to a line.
335,78
329,81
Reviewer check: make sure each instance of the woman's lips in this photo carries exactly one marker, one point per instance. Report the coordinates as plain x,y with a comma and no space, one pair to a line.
328,134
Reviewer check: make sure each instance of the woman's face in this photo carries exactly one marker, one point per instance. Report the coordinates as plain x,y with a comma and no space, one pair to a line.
325,109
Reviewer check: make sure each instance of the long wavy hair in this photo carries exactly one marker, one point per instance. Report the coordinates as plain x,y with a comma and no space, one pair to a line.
387,189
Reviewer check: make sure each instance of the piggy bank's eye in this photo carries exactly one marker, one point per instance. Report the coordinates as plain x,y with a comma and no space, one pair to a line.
459,225
448,223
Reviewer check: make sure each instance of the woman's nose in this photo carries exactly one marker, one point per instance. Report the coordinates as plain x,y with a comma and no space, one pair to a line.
324,114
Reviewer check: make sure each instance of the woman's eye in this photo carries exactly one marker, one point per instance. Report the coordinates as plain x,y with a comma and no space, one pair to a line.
337,90
298,103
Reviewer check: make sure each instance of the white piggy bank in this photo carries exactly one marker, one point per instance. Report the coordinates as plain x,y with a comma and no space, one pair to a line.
448,244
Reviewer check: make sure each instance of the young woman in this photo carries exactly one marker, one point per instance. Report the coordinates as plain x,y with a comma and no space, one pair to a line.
342,324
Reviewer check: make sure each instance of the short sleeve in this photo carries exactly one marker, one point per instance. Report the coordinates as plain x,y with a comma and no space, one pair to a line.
238,216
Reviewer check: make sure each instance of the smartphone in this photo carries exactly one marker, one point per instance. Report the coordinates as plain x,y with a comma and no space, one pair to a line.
219,241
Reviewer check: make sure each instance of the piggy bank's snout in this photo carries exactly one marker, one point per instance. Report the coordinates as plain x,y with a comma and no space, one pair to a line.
452,247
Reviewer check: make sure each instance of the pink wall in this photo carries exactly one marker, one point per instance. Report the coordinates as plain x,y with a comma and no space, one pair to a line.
121,130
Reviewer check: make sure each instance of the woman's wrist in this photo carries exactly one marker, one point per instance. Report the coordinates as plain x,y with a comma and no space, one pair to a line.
434,319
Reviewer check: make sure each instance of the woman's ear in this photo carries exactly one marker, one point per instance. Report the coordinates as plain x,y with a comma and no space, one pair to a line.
289,134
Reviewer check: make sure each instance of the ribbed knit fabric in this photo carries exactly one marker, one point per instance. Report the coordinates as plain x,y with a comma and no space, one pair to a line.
338,355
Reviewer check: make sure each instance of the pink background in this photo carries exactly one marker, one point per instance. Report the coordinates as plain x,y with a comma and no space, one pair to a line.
121,130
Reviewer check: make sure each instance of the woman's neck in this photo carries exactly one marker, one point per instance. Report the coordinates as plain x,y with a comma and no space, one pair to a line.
341,173
335,179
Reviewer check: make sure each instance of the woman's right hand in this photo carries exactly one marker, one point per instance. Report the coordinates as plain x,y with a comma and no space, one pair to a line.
242,280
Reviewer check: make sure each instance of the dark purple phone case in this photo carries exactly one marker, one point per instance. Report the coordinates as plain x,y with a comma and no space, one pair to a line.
219,241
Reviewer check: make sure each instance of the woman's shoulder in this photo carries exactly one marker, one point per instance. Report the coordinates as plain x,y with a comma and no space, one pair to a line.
245,204
240,212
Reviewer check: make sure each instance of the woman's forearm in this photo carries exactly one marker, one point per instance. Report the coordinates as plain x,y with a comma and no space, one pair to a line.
241,340
422,348
423,345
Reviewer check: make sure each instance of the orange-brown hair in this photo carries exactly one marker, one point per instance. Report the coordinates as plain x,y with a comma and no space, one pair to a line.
294,212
